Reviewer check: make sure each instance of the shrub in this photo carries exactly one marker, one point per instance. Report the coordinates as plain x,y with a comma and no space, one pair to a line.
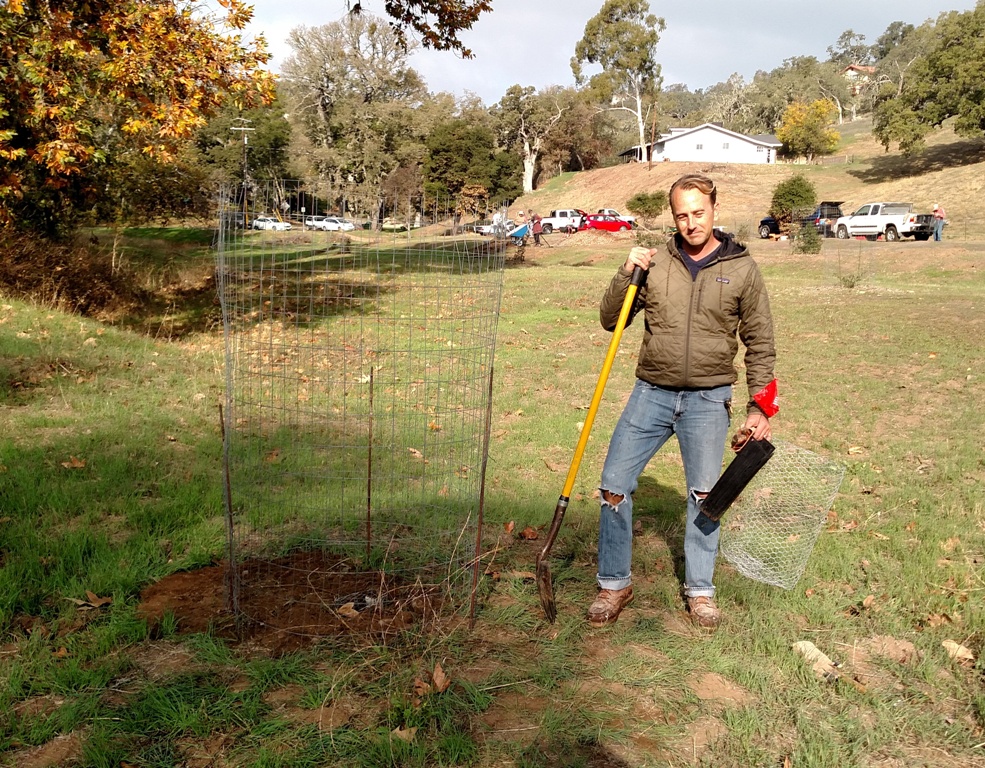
648,205
807,239
793,194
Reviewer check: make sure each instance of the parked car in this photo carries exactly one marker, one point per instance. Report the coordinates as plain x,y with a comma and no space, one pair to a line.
505,227
607,223
890,220
269,222
335,224
563,220
314,222
234,219
823,218
614,212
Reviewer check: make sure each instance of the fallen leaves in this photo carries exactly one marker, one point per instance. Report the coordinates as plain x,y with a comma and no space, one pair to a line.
74,462
951,544
437,682
959,653
92,601
405,734
821,664
439,679
348,611
521,575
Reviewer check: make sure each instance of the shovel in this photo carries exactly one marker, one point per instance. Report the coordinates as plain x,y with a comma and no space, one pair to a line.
544,585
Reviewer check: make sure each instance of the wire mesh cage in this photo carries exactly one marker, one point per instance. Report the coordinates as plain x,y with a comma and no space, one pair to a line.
358,364
770,530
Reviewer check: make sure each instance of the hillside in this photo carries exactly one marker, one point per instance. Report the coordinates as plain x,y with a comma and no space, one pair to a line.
950,171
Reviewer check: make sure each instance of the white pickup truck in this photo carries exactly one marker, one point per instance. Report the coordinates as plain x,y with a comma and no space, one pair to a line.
563,220
614,212
890,220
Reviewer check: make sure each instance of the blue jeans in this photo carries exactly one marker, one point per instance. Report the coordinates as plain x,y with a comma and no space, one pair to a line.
700,419
938,229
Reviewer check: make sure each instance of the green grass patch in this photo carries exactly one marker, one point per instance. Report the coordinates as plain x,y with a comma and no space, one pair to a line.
110,478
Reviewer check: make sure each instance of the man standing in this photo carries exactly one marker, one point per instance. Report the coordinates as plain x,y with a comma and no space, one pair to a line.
536,226
939,221
700,294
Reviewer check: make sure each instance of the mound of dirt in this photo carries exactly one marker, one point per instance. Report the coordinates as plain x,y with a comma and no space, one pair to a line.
289,602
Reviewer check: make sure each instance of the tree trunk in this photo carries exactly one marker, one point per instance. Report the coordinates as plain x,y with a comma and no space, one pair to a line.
529,165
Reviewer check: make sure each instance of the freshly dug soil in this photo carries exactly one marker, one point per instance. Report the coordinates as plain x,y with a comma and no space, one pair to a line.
290,602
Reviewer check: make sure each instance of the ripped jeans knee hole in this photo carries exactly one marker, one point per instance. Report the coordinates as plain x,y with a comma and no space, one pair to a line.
612,499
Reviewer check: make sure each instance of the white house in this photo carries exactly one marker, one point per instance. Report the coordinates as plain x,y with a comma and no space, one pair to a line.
709,142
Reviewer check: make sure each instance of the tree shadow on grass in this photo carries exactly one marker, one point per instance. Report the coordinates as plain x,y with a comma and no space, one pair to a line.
931,159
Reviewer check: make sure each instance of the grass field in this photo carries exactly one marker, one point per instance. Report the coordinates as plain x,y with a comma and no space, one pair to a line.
110,479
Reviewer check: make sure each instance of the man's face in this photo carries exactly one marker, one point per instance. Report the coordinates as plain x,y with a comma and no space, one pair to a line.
694,216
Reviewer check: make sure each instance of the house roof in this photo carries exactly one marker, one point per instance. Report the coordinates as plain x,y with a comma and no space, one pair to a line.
763,139
767,140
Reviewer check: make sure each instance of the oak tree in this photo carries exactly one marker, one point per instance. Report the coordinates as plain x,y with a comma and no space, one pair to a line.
356,106
463,154
86,84
947,81
438,22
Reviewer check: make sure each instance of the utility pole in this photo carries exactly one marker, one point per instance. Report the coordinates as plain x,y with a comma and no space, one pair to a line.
245,129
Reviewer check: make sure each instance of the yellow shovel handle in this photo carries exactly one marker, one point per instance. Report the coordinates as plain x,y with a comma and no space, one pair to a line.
610,356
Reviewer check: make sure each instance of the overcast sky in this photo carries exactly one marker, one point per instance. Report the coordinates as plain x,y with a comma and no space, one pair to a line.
530,42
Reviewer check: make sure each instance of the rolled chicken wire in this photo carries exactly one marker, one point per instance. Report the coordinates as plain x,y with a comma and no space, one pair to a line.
769,532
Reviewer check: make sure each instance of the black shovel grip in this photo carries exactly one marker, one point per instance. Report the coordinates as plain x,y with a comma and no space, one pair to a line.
745,465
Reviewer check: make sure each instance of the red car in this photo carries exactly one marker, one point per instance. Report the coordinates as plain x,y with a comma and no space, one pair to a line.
608,223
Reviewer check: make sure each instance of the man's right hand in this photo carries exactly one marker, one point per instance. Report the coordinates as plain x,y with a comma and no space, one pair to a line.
639,257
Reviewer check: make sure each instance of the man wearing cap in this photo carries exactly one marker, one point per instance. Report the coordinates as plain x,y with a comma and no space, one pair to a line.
939,221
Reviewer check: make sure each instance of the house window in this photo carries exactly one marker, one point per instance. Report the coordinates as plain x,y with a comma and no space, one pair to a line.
699,146
725,145
759,149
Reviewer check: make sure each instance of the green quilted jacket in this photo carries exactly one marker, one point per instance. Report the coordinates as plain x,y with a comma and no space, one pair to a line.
691,328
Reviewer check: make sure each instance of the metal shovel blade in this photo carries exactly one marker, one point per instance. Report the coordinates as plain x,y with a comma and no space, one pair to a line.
545,588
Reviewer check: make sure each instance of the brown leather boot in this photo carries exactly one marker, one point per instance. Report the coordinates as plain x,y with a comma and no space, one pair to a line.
608,605
704,612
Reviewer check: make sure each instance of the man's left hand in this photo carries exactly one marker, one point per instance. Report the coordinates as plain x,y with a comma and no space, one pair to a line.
757,427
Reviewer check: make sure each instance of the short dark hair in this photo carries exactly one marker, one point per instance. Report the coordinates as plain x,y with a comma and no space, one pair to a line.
694,181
